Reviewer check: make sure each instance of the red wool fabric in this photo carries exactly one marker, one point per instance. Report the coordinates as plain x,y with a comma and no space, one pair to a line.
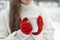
40,25
25,19
26,27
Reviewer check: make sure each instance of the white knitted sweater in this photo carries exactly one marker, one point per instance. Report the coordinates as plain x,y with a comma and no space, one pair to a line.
30,11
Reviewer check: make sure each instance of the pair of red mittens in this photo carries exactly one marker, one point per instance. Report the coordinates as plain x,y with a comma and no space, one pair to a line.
26,26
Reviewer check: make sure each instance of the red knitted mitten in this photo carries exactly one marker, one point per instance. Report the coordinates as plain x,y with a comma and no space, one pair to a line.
26,27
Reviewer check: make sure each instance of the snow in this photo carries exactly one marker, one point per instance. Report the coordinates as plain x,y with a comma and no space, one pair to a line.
53,11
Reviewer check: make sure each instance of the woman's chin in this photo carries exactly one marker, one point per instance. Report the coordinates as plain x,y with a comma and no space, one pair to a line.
26,3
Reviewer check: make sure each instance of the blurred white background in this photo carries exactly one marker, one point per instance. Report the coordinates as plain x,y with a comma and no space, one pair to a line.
52,8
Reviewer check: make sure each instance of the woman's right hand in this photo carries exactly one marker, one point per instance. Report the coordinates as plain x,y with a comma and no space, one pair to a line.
26,27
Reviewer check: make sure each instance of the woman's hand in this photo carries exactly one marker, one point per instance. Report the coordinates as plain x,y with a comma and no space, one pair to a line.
26,27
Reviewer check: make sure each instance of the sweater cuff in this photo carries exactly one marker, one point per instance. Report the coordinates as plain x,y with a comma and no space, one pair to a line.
39,37
22,35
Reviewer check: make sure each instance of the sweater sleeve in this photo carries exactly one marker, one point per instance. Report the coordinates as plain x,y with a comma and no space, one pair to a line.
4,33
48,29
